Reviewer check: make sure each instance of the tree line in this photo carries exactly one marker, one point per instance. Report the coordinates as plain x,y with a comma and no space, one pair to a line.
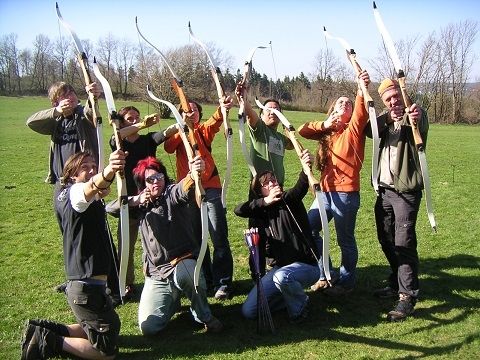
437,68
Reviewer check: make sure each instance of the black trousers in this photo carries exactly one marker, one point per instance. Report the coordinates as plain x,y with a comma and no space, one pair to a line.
396,218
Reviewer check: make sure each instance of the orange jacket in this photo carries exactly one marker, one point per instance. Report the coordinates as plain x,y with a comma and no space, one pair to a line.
345,158
204,135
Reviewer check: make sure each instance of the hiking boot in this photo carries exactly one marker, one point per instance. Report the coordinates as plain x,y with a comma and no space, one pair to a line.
29,345
337,291
386,293
404,308
222,293
40,343
213,325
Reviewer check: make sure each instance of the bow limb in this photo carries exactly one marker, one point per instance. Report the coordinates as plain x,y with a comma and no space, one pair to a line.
372,115
83,61
419,143
241,110
199,191
177,84
314,185
121,182
216,74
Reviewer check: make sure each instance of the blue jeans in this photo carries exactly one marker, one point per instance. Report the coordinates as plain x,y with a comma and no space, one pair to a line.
222,264
283,287
160,299
343,207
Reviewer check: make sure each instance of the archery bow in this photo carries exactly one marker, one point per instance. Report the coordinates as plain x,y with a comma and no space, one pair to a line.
114,119
177,85
372,116
247,68
314,184
408,103
199,192
216,74
83,61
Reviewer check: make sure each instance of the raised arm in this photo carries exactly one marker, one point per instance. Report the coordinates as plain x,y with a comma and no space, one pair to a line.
250,114
99,183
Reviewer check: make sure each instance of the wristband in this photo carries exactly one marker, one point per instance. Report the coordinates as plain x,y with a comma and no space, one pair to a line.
98,187
105,179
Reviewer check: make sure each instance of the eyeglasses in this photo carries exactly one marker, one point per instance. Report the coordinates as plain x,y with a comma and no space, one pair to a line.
152,178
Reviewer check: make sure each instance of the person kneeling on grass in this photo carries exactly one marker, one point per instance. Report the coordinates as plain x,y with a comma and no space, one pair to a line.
169,250
87,254
289,243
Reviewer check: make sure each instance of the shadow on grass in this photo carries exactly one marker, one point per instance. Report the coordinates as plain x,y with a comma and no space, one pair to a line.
443,283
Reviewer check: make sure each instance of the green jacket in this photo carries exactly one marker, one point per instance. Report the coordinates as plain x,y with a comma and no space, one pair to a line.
407,171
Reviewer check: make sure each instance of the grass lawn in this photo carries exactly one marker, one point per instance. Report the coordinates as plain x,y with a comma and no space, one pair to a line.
446,323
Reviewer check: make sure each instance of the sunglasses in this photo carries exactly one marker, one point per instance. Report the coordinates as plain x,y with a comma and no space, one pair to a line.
152,178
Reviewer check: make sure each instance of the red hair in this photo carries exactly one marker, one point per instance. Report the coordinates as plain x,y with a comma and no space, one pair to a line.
143,165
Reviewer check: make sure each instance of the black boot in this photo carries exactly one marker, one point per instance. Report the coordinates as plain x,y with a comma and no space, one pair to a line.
57,328
39,343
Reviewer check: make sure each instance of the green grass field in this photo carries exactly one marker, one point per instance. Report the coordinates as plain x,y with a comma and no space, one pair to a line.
446,323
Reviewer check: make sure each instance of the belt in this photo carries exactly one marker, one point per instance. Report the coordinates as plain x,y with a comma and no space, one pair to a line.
176,260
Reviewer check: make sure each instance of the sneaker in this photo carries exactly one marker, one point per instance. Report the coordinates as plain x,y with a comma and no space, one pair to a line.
337,291
29,344
404,308
222,293
386,293
213,325
61,287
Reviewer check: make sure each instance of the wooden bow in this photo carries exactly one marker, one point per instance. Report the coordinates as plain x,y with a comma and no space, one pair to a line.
83,61
177,85
372,115
392,52
114,119
314,185
216,74
247,68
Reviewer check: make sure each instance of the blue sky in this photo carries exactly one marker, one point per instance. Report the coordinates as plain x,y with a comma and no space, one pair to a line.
294,27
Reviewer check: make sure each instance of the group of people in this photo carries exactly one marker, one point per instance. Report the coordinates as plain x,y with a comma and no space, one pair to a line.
166,215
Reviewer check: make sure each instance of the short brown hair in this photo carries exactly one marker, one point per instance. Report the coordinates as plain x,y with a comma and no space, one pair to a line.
58,89
72,165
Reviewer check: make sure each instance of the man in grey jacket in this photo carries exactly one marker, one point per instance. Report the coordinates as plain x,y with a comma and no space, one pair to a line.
400,191
69,124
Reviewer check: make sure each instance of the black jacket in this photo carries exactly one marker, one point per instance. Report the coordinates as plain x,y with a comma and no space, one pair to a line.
289,235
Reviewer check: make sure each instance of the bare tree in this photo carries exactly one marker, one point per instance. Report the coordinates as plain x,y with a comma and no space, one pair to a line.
105,53
41,58
9,66
123,58
457,41
61,54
